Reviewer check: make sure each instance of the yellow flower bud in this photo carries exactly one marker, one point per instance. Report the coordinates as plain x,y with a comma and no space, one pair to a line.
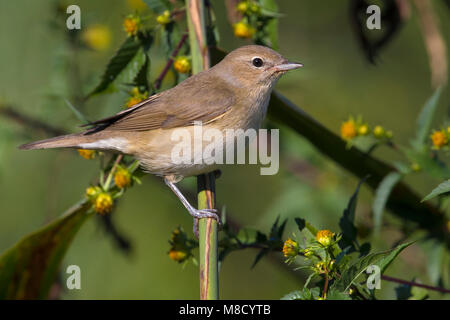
324,237
308,252
182,65
255,8
177,255
122,178
103,204
243,30
363,130
378,131
131,25
97,37
439,139
320,267
92,191
87,154
415,167
242,7
163,18
348,130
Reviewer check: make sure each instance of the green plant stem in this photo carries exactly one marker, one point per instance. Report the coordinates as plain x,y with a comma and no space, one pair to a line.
208,228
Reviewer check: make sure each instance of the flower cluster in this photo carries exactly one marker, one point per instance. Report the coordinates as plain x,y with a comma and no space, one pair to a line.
352,128
102,201
254,21
180,246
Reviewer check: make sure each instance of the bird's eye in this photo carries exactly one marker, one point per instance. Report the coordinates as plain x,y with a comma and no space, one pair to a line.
257,62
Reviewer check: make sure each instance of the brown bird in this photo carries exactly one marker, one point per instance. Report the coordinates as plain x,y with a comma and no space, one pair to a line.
234,94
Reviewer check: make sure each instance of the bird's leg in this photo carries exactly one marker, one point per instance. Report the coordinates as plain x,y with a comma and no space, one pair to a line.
196,213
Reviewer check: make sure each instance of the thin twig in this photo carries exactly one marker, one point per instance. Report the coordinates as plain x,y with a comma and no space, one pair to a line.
163,73
29,122
414,284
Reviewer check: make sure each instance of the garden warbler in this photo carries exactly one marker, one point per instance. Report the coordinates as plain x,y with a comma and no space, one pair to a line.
234,94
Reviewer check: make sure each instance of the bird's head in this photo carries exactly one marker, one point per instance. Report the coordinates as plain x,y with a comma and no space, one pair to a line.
254,65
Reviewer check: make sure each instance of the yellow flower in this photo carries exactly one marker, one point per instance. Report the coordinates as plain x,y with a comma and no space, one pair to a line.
97,37
242,6
87,154
103,204
378,131
348,129
177,255
290,248
182,65
363,130
122,178
439,139
243,30
131,25
324,237
163,18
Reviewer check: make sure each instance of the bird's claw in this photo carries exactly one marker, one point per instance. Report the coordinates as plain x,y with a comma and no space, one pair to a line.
205,213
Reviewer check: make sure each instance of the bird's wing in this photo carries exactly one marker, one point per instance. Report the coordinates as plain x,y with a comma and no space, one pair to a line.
178,107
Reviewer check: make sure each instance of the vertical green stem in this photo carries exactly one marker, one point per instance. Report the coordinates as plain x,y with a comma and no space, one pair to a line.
208,246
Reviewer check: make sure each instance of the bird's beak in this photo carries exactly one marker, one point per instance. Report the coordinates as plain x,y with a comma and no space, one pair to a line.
288,66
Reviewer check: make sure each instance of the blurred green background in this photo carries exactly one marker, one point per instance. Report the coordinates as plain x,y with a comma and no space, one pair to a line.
337,80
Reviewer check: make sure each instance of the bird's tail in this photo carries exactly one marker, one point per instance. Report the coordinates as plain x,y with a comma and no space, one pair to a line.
67,141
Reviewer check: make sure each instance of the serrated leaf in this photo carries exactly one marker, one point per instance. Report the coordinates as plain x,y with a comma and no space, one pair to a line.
425,119
346,222
444,187
381,197
28,269
381,259
259,256
123,67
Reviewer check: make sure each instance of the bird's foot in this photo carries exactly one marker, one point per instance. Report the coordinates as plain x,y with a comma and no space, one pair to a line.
204,213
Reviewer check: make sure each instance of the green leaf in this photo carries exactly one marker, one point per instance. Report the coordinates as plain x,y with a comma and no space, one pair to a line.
123,67
381,259
444,187
271,26
28,269
381,197
158,6
336,295
305,294
364,143
346,223
425,119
